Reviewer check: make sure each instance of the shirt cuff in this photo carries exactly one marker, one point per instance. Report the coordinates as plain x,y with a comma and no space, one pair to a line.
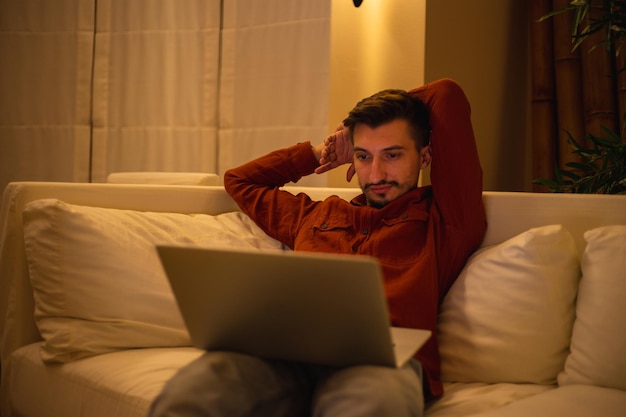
303,158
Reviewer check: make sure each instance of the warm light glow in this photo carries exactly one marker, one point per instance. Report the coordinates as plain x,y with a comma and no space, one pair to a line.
379,45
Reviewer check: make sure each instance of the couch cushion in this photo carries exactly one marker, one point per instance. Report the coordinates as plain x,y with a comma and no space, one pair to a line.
470,398
508,317
598,350
570,401
97,281
119,384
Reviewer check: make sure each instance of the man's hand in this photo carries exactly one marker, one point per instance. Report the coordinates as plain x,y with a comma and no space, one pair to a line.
336,150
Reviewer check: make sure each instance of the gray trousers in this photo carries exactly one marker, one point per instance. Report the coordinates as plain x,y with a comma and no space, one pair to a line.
233,385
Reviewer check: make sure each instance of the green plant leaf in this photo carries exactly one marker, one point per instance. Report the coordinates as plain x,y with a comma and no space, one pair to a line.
579,166
601,167
571,175
555,12
613,137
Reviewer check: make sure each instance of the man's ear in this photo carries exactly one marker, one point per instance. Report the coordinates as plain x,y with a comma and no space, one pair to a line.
425,156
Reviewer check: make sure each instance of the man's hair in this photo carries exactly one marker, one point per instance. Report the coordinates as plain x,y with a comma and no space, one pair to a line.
387,106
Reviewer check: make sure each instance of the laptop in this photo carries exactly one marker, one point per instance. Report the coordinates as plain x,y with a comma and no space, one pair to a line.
304,307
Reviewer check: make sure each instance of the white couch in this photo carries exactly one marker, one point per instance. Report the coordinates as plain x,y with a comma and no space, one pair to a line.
89,327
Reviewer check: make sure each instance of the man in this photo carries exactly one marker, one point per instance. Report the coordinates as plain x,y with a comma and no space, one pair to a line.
421,236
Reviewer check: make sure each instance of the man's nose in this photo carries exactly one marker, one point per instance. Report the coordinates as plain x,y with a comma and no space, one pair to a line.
377,171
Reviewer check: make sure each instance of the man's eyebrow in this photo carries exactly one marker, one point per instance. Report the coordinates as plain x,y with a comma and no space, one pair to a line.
395,148
390,148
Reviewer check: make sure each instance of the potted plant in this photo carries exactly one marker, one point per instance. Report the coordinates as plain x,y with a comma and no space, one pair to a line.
601,165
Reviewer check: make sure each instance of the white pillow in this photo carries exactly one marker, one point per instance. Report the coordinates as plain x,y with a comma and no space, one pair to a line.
598,350
97,281
508,317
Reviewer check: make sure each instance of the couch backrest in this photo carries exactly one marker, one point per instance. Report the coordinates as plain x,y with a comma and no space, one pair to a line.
510,213
507,213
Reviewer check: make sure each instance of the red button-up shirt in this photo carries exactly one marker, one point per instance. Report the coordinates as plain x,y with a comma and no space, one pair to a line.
421,239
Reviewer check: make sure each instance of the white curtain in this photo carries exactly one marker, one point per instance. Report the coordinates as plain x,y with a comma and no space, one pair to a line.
46,52
155,84
93,87
275,78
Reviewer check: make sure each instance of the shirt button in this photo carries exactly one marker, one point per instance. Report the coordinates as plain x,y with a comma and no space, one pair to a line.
405,216
324,226
354,248
364,231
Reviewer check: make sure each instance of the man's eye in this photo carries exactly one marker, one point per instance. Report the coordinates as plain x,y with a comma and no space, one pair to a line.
361,157
393,155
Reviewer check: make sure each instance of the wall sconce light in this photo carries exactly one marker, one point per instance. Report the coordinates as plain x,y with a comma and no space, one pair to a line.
357,3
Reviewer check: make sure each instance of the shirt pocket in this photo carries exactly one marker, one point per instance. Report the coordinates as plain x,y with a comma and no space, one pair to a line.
332,234
401,240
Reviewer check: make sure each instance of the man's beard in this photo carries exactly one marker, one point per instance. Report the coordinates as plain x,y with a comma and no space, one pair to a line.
378,203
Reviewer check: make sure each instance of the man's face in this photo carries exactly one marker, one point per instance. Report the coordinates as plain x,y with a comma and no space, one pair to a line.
386,161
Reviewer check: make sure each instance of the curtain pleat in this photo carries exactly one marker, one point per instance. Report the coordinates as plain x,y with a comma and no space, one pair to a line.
155,86
46,50
94,87
274,78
